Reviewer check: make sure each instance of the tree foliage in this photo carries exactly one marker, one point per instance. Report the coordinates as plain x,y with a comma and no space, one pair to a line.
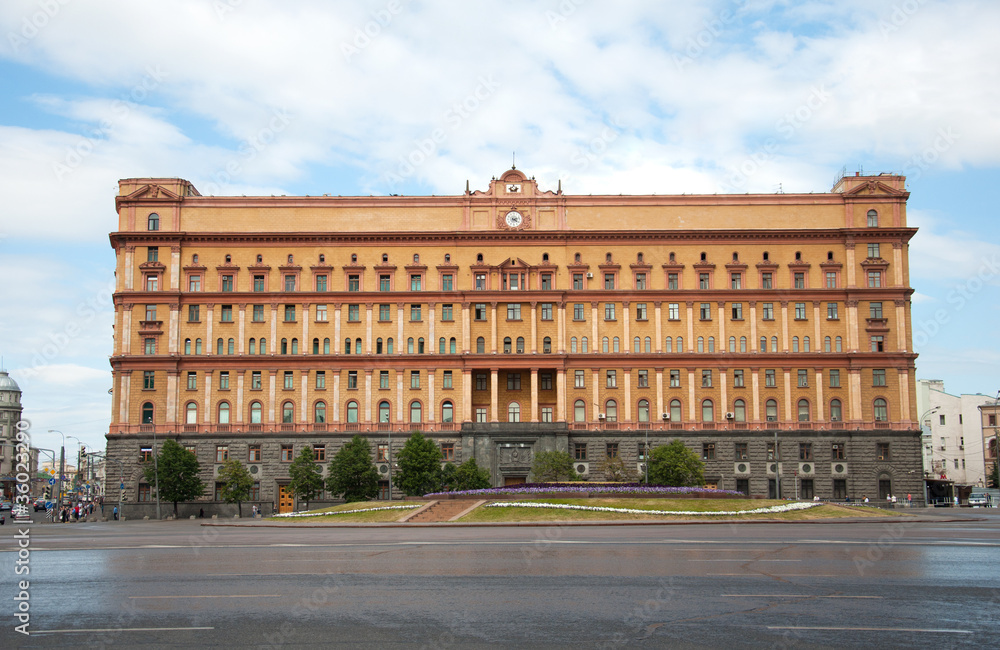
419,466
676,465
352,472
550,466
178,471
306,476
616,470
470,476
993,478
236,483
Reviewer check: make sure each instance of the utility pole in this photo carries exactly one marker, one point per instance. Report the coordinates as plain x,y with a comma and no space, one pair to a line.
62,466
156,476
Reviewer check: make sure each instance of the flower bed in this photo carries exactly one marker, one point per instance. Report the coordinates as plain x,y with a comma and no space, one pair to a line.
788,507
345,512
592,490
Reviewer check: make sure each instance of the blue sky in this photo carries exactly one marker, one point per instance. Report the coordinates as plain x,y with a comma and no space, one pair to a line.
397,96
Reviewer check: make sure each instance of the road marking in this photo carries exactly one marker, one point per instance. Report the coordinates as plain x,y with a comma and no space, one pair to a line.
793,596
737,559
231,575
218,596
780,575
122,629
871,629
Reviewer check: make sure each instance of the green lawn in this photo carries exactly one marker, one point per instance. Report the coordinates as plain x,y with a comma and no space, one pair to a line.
376,516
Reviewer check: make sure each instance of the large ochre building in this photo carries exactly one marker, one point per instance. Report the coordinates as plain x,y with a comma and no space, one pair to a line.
769,332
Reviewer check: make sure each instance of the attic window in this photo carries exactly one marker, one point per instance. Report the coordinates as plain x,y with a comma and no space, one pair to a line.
765,256
354,258
673,258
545,257
479,257
829,255
322,258
260,258
639,258
229,258
416,258
736,257
385,257
704,257
447,257
576,258
290,258
154,222
194,258
798,256
872,219
607,258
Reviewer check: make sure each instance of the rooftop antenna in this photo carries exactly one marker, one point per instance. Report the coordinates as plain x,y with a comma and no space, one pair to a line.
781,190
513,160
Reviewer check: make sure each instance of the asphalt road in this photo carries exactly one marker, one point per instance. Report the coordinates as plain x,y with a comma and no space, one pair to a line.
933,583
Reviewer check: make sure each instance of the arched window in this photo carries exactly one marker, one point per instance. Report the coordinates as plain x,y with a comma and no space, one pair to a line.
771,410
420,345
447,412
572,345
357,346
223,412
263,345
231,346
826,344
187,346
604,344
675,410
452,345
643,410
347,346
383,412
378,345
707,411
836,411
415,412
442,345
409,345
743,344
319,412
287,413
701,344
839,347
774,344
252,346
732,344
479,257
881,410
480,345
795,344
668,345
805,344
191,416
680,343
546,345
803,410
295,346
611,410
153,223
872,219
352,412
284,346
506,345
219,343
584,346
147,413
763,344
513,412
388,345
636,345
520,345
615,344
255,412
711,344
315,346
740,411
579,411
576,257
648,344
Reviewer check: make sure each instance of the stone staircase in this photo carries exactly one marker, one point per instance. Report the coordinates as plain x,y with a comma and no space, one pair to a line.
442,510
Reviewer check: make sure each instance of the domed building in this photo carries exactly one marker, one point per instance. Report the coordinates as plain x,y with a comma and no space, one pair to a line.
10,415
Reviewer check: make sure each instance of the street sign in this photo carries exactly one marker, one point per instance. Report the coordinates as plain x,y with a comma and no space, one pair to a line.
121,487
52,481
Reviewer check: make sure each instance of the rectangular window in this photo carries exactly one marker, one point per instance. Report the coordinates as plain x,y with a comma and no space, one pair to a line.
513,281
803,376
447,282
640,311
737,311
640,281
643,379
320,379
286,453
194,283
882,451
706,378
149,346
254,454
705,311
579,451
741,452
766,281
446,379
546,281
224,380
289,313
738,379
513,311
839,451
258,313
612,379
221,453
150,312
258,283
382,453
288,380
447,312
352,379
831,279
769,380
354,313
874,279
578,311
672,281
384,313
800,311
479,311
227,283
145,493
673,311
513,381
226,314
544,381
878,343
546,414
145,454
834,378
578,281
354,282
873,251
772,451
290,282
799,280
414,379
875,310
447,451
609,281
708,451
192,381
321,282
255,381
416,313
481,414
578,379
767,310
831,311
384,283
383,378
611,450
415,281
480,282
321,313
148,379
878,377
153,254
319,453
152,283
675,378
704,281
736,280
482,381
609,311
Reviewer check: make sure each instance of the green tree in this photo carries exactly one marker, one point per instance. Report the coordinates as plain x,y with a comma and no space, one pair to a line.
352,472
448,477
306,476
616,469
553,466
419,466
470,476
676,465
993,478
178,471
236,483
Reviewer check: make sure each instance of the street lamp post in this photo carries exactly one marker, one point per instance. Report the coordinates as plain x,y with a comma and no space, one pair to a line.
62,465
121,481
996,438
920,421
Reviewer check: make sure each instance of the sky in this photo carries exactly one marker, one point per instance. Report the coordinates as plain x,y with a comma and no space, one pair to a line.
259,97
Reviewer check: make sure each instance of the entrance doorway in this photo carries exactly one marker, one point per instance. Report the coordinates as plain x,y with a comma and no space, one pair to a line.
286,503
514,480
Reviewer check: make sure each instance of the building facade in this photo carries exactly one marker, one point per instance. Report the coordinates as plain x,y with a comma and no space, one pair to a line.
771,333
957,434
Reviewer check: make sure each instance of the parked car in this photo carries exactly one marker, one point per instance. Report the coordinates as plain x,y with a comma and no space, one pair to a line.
6,505
979,498
39,504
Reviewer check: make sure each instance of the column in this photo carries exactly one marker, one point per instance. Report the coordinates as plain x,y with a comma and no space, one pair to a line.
207,408
561,328
904,395
628,393
596,397
466,329
172,329
897,264
400,341
819,411
431,341
722,325
854,376
400,406
368,327
467,394
627,342
124,395
560,395
900,325
209,341
241,328
659,391
273,343
689,339
336,396
129,271
305,349
594,339
304,406
755,387
851,264
175,268
817,331
657,315
171,409
534,393
368,396
534,330
852,325
784,326
691,399
724,391
494,396
788,393
271,394
493,329
431,402
753,327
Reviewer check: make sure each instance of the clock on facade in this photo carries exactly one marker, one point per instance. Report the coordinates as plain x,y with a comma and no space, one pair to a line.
514,219
513,187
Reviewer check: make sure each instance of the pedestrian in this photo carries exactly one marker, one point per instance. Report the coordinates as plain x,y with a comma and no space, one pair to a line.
894,501
115,513
201,513
909,500
866,498
255,512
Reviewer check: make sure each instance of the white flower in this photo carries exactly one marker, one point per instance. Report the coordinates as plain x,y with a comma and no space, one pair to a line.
563,506
346,512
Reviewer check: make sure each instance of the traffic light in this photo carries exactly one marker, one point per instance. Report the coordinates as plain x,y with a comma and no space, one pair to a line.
83,451
48,493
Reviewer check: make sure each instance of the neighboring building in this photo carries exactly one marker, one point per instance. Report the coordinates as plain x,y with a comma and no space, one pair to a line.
515,320
955,430
10,415
989,414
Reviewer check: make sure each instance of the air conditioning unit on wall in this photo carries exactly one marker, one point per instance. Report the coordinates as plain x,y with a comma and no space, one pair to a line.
582,468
